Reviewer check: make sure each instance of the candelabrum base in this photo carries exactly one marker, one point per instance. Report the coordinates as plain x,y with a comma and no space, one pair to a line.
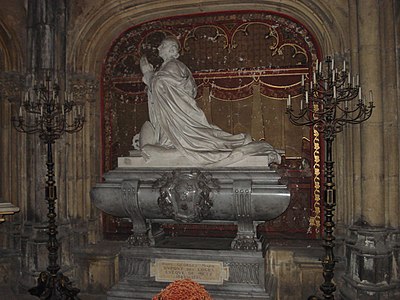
54,287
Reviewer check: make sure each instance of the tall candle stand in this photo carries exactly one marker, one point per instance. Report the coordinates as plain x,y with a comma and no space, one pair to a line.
330,100
44,111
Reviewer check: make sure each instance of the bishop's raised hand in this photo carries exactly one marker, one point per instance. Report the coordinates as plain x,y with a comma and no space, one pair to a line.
145,66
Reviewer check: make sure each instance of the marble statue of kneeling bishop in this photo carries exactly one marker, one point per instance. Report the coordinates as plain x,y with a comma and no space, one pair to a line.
178,124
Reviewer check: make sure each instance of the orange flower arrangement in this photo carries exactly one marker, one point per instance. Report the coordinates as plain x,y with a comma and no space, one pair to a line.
185,289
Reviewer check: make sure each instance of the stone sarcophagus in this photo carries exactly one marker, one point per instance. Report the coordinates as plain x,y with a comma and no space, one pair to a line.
245,194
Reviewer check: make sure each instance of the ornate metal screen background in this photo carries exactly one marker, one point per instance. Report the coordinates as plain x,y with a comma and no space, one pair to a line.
244,63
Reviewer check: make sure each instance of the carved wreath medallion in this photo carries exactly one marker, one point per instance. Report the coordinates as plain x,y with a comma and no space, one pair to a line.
186,197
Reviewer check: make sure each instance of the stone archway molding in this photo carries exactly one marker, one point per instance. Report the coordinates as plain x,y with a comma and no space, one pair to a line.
12,59
104,23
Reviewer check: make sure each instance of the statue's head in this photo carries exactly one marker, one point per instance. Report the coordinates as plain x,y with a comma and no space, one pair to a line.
169,48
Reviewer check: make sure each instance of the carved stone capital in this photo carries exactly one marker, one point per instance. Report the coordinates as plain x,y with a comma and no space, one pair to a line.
11,86
245,242
139,240
84,87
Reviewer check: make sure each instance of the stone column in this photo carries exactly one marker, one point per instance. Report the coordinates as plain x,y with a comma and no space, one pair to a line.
46,32
370,66
390,112
371,272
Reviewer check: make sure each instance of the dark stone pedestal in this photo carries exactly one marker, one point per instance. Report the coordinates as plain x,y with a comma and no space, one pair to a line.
226,274
372,264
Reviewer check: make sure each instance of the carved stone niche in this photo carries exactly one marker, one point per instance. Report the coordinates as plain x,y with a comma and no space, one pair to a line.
244,196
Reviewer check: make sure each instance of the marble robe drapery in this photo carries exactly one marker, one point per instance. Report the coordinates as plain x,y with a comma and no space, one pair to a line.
178,123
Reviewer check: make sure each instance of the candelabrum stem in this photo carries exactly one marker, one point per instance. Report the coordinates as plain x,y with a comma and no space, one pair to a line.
329,261
51,197
53,284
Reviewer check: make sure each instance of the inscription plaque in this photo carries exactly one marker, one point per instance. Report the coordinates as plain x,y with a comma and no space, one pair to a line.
205,272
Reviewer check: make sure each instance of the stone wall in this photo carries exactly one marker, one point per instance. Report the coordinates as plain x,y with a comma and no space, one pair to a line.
367,156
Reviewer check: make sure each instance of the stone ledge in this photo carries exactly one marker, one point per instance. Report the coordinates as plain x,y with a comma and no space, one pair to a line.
174,159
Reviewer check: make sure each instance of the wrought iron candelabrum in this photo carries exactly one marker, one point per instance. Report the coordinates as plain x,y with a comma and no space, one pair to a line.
44,111
330,100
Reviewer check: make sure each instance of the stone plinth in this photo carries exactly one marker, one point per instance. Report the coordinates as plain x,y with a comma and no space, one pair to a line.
98,266
226,274
372,264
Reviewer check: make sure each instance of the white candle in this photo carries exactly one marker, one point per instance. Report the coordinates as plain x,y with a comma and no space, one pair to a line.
302,80
359,93
306,97
344,66
334,92
314,78
358,80
333,64
320,67
289,101
333,76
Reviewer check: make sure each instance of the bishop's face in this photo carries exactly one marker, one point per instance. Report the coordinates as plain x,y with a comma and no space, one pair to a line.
165,50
